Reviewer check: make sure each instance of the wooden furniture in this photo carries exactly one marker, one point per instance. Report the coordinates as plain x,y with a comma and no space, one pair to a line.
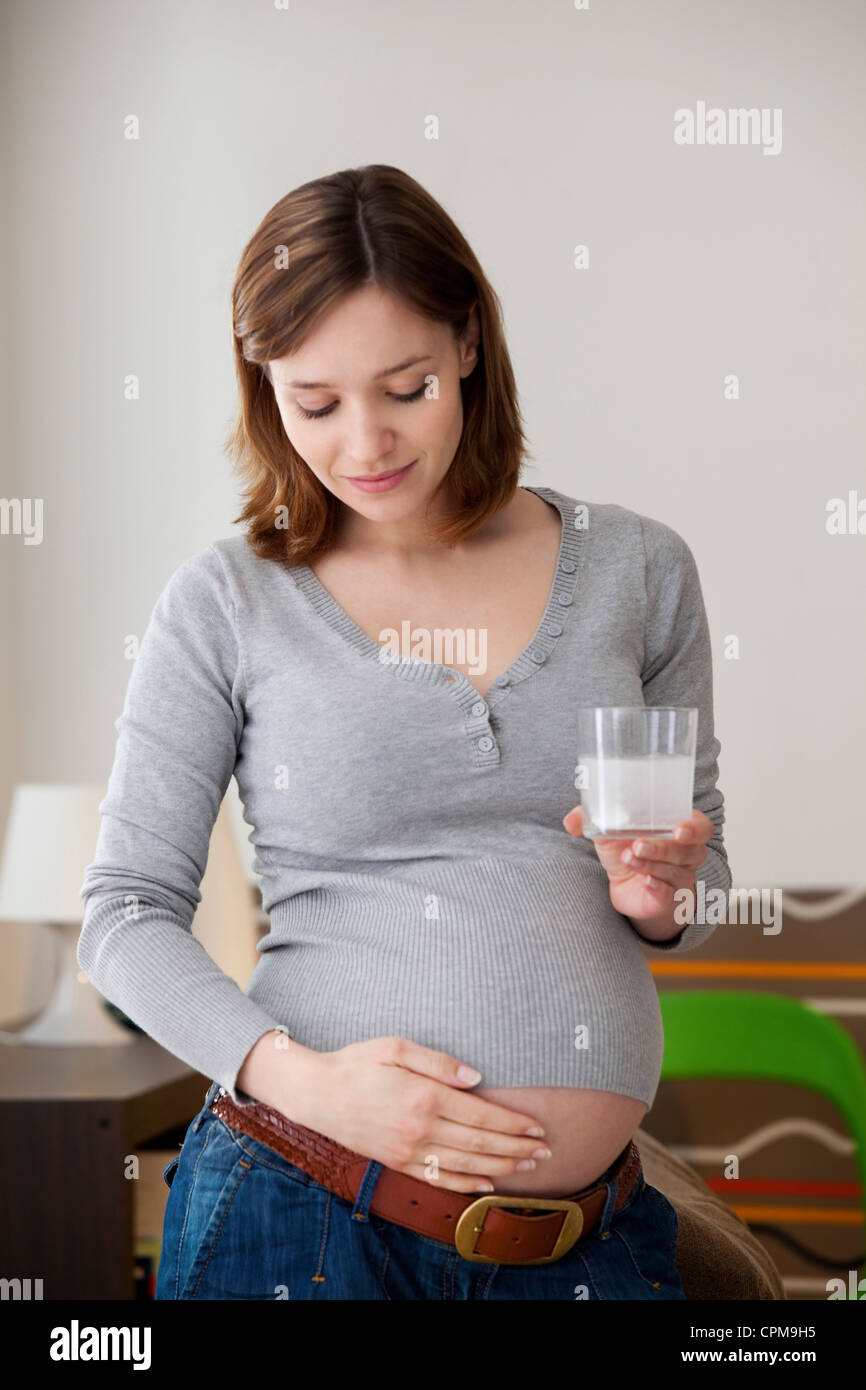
70,1119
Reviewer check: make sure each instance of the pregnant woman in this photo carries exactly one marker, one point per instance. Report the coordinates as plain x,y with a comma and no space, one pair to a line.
453,998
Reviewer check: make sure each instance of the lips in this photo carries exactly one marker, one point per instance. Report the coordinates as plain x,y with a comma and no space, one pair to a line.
384,482
377,477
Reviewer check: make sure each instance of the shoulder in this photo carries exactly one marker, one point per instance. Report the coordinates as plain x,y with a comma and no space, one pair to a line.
630,532
219,572
201,590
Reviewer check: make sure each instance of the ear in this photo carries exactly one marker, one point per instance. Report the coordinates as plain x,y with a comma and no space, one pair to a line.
468,342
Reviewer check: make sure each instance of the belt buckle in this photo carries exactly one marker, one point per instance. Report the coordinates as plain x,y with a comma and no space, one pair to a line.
471,1224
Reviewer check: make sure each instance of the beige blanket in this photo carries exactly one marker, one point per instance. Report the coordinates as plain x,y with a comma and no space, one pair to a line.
717,1255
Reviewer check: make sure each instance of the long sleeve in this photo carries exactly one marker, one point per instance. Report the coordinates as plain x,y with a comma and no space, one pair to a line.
176,751
678,671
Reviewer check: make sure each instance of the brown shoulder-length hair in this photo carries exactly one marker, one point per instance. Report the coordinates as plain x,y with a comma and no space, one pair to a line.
373,225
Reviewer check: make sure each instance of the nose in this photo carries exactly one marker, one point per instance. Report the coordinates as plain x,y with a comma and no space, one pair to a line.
369,444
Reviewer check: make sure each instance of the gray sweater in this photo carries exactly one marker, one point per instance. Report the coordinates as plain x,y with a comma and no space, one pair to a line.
408,834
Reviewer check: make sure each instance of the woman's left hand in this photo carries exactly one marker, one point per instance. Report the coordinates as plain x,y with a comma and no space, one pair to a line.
645,874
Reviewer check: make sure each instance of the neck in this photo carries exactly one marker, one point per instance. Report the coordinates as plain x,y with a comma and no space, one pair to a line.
408,541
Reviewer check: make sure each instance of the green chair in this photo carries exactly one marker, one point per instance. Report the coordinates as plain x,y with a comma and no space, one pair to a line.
767,1037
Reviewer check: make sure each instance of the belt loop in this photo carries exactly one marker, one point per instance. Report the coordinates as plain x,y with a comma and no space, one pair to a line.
199,1119
607,1213
360,1211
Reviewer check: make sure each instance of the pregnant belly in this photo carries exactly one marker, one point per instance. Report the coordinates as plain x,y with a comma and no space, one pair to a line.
584,1130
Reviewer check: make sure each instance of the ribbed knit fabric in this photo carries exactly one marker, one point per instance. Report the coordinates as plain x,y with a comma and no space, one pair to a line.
408,834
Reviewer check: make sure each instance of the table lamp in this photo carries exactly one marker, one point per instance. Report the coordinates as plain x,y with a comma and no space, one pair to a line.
50,839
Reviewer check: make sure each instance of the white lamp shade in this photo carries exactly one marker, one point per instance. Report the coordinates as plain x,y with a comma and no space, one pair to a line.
51,836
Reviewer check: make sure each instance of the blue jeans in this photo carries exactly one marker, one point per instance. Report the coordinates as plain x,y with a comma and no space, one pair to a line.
243,1222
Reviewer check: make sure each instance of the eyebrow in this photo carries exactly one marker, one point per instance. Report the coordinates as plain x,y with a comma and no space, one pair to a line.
327,385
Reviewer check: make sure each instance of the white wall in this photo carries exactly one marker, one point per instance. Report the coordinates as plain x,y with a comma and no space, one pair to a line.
26,954
556,128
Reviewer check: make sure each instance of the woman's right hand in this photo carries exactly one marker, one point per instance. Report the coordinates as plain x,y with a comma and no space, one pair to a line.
405,1106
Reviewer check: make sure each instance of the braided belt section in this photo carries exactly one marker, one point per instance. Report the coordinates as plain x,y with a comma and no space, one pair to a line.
323,1159
516,1235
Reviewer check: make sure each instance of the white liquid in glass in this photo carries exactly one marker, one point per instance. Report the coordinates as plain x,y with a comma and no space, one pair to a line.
648,795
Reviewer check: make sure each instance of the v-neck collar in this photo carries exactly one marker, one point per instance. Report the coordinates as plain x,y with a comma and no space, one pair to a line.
412,668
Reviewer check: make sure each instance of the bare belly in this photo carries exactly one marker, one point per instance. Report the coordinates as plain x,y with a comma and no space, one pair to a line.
585,1131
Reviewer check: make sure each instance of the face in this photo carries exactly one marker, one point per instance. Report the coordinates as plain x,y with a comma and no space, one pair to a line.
369,419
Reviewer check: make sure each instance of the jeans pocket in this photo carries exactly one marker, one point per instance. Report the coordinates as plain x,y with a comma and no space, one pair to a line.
665,1207
647,1228
169,1170
272,1159
212,1186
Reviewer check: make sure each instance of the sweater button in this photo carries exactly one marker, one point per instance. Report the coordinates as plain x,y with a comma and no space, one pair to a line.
485,744
502,680
479,707
554,629
568,566
536,655
564,599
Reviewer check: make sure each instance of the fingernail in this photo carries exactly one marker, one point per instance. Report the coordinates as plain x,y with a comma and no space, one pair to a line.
483,1187
640,848
535,1133
541,1153
525,1164
468,1074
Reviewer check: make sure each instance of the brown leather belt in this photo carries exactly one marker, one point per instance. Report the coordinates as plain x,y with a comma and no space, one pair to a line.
483,1228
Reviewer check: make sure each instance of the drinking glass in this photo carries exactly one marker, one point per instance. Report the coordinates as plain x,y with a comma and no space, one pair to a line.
635,769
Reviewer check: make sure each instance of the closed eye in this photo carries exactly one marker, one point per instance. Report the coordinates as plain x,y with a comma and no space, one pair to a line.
319,414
